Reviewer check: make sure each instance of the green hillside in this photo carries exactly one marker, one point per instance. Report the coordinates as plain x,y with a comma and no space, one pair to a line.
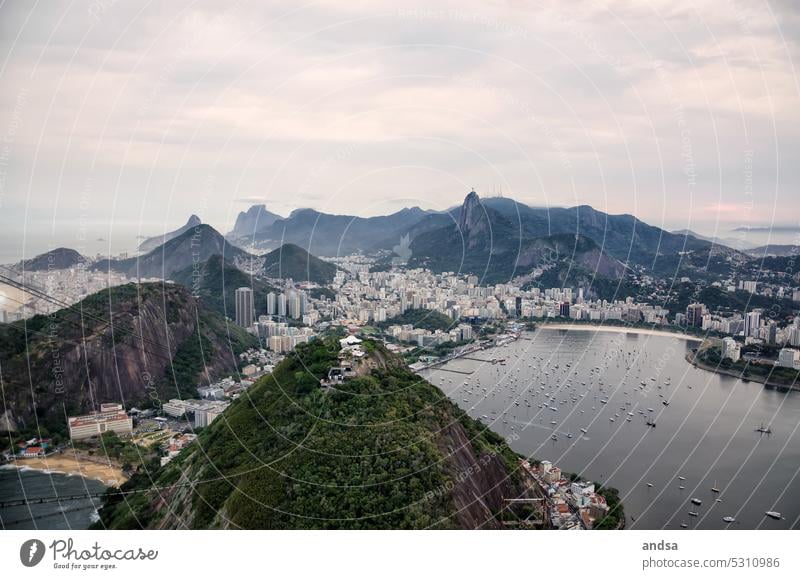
430,320
384,450
215,282
292,261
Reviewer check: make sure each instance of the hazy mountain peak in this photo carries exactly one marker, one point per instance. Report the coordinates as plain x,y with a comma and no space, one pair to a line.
471,212
256,218
152,242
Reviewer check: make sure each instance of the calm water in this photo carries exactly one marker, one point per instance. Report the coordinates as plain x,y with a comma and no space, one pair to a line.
74,514
706,434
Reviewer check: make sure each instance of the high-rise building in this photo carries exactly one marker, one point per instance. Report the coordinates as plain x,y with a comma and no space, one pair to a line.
563,309
244,307
694,315
282,305
752,323
294,305
789,358
772,332
731,349
272,304
518,306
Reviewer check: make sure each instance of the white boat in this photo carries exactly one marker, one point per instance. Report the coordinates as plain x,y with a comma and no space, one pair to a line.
696,501
729,519
694,514
773,515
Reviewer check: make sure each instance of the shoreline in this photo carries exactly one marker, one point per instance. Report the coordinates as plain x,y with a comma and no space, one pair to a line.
618,330
691,358
68,463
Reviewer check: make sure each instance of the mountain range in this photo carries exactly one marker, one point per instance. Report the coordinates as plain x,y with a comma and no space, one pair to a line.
193,248
496,238
522,238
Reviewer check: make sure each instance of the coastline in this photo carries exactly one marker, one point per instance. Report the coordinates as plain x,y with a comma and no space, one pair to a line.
691,357
616,329
70,463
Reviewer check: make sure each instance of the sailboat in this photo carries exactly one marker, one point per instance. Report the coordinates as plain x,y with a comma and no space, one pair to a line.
714,489
764,429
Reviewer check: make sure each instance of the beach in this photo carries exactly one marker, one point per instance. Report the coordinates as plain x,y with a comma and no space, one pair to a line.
68,462
619,330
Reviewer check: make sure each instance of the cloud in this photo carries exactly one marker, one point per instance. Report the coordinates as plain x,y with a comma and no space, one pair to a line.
155,112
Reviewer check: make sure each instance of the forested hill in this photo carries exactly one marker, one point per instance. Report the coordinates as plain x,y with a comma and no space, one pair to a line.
126,344
430,320
383,450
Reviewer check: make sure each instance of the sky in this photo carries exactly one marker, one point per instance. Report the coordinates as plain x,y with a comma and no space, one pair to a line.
120,119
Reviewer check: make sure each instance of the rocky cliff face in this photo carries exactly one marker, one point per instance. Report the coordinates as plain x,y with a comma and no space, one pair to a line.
252,221
118,346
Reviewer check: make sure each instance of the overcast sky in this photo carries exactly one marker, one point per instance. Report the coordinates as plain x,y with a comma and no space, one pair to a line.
130,116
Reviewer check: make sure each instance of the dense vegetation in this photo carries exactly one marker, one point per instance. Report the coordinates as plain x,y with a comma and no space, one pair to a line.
291,455
215,282
430,320
120,344
292,261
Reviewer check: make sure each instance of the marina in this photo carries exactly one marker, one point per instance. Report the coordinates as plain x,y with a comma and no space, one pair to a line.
590,402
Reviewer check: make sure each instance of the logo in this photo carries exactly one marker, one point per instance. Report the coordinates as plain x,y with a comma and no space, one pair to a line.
402,250
32,552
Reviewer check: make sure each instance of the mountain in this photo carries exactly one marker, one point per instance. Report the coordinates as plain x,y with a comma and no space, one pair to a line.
774,250
187,249
151,243
732,242
387,450
59,258
291,261
623,237
249,223
132,344
214,283
485,242
332,235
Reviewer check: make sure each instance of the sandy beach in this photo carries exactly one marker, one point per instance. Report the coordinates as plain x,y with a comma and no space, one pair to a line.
617,329
69,463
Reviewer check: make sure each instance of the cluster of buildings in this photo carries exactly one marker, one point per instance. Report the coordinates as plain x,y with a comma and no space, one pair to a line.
203,412
175,444
425,338
350,356
68,286
293,304
274,329
569,505
750,328
33,448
